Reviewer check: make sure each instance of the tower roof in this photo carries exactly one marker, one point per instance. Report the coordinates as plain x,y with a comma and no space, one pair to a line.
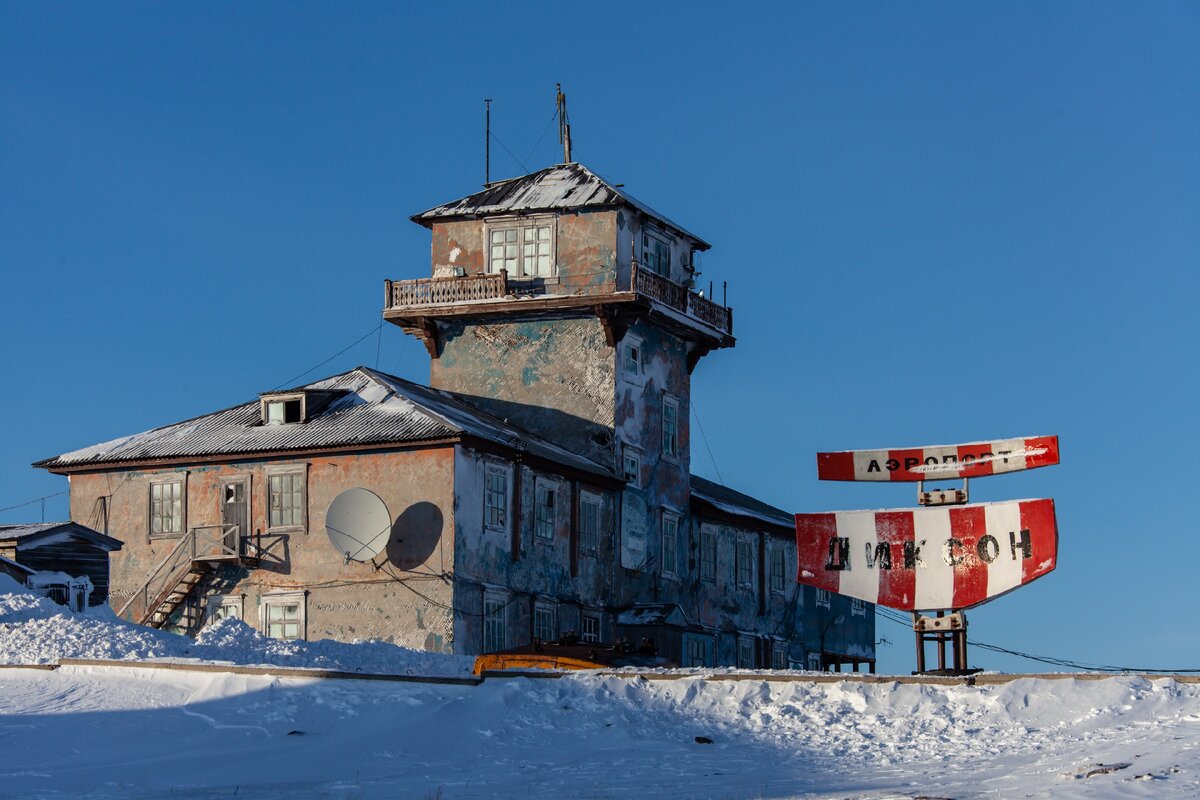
561,187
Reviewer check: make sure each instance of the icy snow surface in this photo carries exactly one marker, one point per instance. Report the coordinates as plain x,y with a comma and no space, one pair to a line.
114,732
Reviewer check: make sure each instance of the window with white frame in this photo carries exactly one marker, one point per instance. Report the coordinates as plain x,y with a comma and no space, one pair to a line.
670,426
525,249
858,607
543,521
743,567
545,621
495,631
219,607
778,569
285,500
590,624
282,410
779,654
495,498
670,544
822,598
631,356
745,652
284,615
167,506
631,460
708,553
656,253
589,523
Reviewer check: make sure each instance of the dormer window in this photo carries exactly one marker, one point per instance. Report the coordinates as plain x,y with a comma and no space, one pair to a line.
282,409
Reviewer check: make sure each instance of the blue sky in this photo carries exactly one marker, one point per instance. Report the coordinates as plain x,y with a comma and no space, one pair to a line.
939,222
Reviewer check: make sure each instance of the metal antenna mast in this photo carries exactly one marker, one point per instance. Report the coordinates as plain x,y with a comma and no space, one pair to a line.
487,142
564,125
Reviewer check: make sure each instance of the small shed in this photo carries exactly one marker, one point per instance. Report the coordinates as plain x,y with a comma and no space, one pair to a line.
14,570
68,547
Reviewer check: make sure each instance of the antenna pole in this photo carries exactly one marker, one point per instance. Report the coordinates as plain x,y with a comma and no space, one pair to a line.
564,125
487,142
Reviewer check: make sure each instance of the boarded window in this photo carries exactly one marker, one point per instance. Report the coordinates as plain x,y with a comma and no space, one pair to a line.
285,500
745,653
589,523
166,507
495,499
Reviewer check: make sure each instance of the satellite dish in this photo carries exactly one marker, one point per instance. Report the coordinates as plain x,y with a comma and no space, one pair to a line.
358,524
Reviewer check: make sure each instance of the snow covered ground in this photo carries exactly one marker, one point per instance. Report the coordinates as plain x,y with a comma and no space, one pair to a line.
121,732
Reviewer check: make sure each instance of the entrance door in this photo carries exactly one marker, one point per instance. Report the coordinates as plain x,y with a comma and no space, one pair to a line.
235,510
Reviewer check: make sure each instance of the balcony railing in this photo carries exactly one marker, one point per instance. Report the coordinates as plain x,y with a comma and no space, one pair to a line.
435,291
495,286
680,298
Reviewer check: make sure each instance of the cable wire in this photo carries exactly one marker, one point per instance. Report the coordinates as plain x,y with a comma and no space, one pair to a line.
290,381
34,500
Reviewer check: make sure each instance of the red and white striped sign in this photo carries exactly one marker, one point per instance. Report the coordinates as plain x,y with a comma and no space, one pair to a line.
943,462
923,559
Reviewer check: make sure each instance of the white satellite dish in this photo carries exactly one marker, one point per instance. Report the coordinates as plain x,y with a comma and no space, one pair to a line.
358,524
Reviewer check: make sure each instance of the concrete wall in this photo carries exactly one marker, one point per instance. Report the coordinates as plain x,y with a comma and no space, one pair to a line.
345,601
552,376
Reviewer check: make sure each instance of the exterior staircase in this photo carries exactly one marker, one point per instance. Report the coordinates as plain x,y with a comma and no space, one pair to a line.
183,573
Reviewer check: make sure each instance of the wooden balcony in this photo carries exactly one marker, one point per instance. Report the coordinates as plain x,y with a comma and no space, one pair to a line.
414,304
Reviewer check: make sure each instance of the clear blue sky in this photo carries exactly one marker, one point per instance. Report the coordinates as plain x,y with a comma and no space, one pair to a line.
939,222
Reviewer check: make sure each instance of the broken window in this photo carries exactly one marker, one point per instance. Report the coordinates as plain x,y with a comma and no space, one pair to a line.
708,553
670,426
543,527
670,544
495,499
589,523
525,250
632,466
280,412
495,636
656,254
285,500
822,598
166,507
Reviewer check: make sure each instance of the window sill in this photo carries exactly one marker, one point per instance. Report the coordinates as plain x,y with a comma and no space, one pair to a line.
153,536
493,529
287,529
543,540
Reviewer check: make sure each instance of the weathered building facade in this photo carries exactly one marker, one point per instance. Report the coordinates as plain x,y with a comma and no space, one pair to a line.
540,485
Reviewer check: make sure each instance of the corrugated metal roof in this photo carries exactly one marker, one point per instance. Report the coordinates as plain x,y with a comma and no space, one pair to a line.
731,502
372,408
18,533
557,188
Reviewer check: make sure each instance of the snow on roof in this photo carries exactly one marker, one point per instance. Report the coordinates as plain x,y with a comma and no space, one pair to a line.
560,187
725,499
52,532
8,562
368,407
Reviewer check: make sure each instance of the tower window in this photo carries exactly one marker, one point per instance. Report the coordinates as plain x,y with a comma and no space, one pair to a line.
632,466
544,521
656,254
670,544
708,553
525,250
670,426
589,523
495,499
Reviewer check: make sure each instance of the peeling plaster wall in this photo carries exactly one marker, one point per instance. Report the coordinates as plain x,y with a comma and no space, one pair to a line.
543,569
345,601
553,376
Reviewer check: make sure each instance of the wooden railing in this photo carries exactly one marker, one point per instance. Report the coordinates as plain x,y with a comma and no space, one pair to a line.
206,543
433,291
680,298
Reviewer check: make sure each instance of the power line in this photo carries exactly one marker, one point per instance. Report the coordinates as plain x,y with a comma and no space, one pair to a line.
703,436
34,500
290,381
543,136
510,152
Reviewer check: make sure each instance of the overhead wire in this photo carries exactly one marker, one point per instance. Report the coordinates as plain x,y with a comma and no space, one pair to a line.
34,500
290,381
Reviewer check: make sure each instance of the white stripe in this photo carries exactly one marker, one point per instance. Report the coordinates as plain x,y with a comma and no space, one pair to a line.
862,461
1005,572
859,581
943,469
1009,463
935,581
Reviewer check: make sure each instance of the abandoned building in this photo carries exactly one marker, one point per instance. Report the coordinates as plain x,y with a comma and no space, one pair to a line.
540,485
66,561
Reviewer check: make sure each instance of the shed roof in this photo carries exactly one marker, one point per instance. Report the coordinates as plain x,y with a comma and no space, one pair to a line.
729,501
557,188
35,532
368,408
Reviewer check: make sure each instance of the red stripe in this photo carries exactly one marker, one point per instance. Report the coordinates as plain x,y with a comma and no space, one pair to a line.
1037,516
1046,459
835,466
972,468
968,524
908,459
813,532
897,586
